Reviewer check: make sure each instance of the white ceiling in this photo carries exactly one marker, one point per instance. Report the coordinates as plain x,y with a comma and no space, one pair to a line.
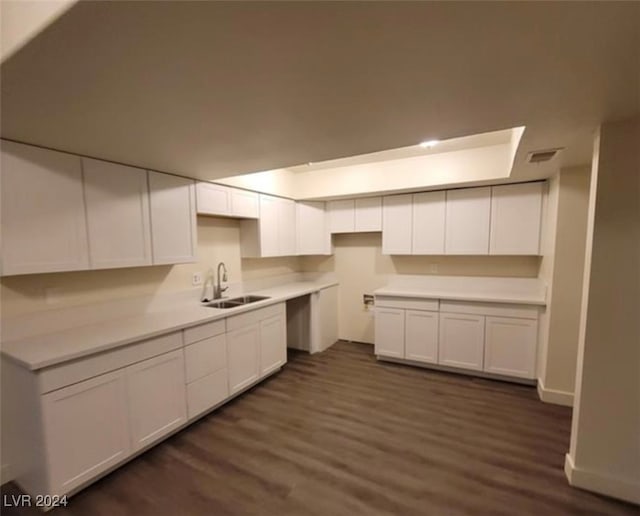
213,89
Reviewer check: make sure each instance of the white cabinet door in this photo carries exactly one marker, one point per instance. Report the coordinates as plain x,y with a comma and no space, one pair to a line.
86,430
273,344
243,357
244,204
421,336
510,346
341,216
207,392
205,357
268,226
368,214
286,227
389,329
43,212
173,218
396,224
157,397
117,200
312,233
213,199
461,341
467,221
428,223
516,212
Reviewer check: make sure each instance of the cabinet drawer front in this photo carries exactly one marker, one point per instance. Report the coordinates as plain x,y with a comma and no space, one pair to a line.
207,392
86,430
52,378
205,357
496,309
510,346
204,331
461,341
254,316
411,303
157,398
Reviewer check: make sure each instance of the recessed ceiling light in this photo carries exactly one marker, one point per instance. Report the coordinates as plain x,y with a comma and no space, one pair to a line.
430,143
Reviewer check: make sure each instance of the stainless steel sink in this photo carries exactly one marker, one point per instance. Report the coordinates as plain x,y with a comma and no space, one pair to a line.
244,300
235,302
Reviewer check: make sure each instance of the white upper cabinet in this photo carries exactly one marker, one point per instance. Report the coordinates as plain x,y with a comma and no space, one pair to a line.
173,218
467,221
117,200
43,211
368,214
274,233
396,224
214,199
312,233
428,223
286,227
244,204
355,215
342,216
516,211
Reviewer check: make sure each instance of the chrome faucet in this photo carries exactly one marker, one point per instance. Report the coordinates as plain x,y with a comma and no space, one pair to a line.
218,289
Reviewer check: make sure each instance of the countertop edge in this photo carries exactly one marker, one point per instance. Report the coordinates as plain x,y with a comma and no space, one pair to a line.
112,345
484,298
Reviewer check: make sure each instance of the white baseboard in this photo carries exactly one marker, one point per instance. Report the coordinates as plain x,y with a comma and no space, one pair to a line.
615,487
5,474
554,396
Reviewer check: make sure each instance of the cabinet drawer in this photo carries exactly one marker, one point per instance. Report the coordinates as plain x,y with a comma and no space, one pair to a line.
495,309
204,331
254,316
207,392
410,303
52,378
205,357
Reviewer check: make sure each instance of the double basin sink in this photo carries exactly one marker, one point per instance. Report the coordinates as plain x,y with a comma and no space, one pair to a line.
235,302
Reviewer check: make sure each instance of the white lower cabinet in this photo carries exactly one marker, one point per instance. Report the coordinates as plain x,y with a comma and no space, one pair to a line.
157,397
86,430
273,349
510,346
389,328
461,341
243,355
207,392
421,336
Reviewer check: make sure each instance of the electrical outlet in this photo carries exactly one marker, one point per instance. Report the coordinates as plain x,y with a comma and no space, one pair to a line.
196,279
368,301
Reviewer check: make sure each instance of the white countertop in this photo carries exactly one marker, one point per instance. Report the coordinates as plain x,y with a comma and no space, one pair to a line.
528,291
54,348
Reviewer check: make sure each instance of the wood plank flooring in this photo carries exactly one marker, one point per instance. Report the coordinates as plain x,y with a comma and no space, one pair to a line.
341,434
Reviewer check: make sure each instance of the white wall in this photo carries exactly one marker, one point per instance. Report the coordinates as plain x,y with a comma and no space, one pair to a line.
605,437
562,268
361,268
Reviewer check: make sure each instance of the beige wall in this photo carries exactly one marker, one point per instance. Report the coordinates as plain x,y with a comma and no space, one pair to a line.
605,436
568,270
361,268
218,240
562,267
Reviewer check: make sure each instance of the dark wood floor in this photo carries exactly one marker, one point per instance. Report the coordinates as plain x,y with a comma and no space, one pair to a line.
341,434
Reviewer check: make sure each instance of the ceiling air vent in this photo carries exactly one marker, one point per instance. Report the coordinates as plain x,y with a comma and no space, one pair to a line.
542,155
